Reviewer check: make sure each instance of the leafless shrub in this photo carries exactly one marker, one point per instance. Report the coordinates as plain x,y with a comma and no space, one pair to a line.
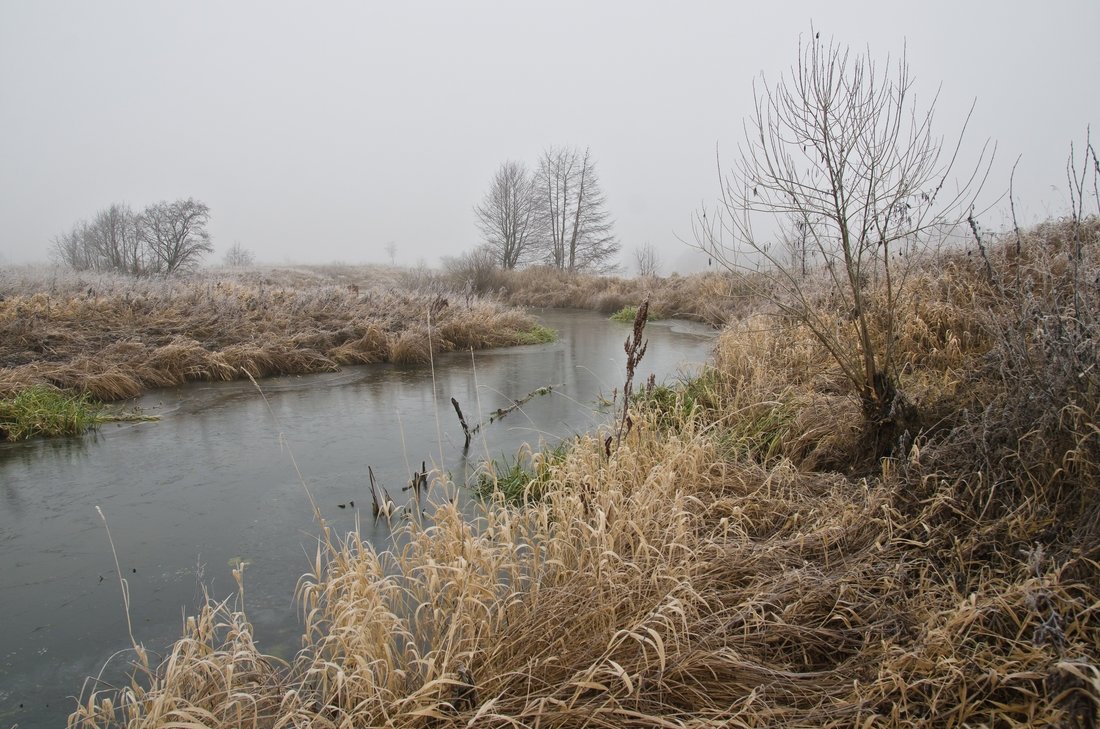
474,271
239,256
838,146
647,260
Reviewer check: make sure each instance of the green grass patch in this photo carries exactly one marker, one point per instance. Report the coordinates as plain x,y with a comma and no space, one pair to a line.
757,432
628,313
538,334
46,411
680,400
516,480
625,314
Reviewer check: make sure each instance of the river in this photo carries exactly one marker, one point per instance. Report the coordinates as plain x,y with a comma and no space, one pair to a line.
213,481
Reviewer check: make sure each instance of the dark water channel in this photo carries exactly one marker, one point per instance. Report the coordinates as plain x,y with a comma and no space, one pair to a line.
213,482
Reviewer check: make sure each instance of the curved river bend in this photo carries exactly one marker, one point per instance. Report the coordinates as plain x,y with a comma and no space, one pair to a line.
213,482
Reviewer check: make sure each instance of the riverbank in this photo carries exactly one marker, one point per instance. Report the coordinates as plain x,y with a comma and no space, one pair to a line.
749,552
113,337
714,297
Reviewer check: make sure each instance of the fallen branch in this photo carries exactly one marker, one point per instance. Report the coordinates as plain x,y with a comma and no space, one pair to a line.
499,413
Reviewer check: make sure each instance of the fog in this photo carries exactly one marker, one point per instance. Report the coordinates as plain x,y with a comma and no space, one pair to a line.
321,132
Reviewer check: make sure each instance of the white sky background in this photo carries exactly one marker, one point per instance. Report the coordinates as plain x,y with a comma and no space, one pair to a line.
319,132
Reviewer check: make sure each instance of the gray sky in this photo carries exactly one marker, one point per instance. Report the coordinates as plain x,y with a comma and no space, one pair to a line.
321,131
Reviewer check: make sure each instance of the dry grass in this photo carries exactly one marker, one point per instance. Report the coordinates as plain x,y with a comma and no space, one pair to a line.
114,337
739,560
713,298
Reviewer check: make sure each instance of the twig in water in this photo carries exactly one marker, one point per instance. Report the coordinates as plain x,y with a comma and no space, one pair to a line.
499,413
419,479
462,420
383,504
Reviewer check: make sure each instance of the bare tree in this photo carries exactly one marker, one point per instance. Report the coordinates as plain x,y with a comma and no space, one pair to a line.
238,255
113,235
108,243
72,248
579,229
839,146
509,216
647,260
175,233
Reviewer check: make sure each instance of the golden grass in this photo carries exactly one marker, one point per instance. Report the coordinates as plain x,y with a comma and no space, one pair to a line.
713,298
113,338
740,560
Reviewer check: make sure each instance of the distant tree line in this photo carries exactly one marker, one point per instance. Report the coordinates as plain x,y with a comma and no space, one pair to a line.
556,215
164,238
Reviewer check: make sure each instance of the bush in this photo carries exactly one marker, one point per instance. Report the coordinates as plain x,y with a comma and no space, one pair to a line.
473,272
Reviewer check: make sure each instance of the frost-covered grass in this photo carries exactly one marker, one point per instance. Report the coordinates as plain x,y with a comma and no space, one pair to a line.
114,337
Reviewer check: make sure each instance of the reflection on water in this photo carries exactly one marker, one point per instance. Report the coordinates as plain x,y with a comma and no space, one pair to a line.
213,482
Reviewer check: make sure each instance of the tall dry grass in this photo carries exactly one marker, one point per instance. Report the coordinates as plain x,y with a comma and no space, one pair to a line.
113,337
739,560
712,298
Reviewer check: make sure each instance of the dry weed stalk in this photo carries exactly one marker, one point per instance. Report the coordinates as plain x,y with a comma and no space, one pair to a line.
635,350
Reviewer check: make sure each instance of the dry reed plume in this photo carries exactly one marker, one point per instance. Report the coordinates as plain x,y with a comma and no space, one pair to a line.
739,560
114,337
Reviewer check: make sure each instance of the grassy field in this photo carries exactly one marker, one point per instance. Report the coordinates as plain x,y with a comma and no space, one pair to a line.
744,557
112,337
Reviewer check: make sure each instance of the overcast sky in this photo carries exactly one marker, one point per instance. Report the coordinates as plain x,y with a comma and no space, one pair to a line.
321,131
